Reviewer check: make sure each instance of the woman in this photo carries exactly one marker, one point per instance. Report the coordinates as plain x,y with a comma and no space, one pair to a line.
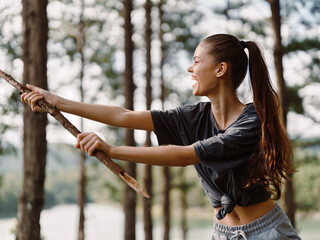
240,152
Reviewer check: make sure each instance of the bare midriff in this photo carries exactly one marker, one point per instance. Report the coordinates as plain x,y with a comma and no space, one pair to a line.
244,215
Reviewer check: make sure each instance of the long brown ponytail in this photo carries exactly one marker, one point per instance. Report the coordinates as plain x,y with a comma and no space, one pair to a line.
271,161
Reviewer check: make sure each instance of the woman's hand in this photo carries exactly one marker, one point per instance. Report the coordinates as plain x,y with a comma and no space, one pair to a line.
90,142
37,94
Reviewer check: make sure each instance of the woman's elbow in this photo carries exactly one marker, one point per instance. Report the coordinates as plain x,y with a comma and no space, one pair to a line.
190,160
190,157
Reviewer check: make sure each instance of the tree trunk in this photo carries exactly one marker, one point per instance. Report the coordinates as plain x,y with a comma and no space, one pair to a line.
34,56
166,202
184,203
162,52
147,203
288,191
82,171
129,87
165,171
82,196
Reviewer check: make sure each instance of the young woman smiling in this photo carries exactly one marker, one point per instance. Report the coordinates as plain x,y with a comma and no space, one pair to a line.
240,151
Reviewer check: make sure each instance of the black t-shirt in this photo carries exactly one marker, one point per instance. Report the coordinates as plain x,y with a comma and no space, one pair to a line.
223,155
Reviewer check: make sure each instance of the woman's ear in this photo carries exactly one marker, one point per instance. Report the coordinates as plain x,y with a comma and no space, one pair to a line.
221,69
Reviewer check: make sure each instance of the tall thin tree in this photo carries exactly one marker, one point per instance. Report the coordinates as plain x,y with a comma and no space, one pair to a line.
82,176
166,176
184,188
130,198
288,196
34,56
147,203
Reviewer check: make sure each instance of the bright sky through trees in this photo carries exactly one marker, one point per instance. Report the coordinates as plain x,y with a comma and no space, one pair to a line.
62,70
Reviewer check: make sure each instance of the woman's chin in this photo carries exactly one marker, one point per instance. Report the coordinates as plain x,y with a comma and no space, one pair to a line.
195,89
194,92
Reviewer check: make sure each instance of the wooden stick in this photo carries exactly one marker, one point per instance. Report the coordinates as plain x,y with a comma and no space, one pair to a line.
101,156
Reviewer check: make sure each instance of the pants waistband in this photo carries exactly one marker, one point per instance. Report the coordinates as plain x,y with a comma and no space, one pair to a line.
262,224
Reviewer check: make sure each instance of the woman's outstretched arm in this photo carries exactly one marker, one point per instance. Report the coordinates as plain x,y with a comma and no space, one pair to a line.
108,114
169,155
111,115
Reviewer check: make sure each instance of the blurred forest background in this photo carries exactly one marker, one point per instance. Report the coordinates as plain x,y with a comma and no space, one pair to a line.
135,54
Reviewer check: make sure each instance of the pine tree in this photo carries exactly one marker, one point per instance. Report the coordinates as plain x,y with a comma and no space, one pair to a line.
129,87
147,203
82,176
34,57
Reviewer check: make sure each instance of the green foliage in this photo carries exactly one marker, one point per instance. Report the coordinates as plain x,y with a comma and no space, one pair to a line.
186,181
294,100
307,182
103,185
302,45
61,187
10,40
9,194
305,143
305,12
10,47
100,44
11,109
2,129
13,106
178,17
233,11
314,67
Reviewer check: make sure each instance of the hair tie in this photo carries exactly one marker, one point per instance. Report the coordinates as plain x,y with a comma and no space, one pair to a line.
243,44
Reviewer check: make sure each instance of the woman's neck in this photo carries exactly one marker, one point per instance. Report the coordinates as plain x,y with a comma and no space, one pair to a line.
226,108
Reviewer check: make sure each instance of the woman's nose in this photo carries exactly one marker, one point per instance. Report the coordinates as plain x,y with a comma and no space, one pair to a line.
190,69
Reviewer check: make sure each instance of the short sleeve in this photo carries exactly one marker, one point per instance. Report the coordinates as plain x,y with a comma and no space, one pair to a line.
182,125
167,125
233,147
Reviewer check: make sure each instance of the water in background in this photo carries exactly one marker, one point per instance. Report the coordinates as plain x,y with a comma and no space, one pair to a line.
105,222
102,223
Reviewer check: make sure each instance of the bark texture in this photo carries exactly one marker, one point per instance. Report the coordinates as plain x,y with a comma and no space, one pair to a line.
130,200
82,157
147,203
166,176
184,188
34,56
82,196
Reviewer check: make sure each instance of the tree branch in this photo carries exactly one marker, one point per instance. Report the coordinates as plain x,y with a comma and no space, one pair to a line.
101,156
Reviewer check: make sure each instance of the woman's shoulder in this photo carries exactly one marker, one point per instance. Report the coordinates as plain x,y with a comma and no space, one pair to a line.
199,106
248,116
187,111
195,111
250,107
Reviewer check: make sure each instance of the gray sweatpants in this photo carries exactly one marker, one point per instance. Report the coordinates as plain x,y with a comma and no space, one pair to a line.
274,225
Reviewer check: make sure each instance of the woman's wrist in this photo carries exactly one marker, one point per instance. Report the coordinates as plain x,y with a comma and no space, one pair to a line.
58,102
109,150
62,104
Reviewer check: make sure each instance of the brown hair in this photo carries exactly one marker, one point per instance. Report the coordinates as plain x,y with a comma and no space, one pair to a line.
270,163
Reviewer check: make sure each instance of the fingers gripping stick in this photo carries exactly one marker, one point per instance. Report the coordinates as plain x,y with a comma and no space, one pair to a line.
101,156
